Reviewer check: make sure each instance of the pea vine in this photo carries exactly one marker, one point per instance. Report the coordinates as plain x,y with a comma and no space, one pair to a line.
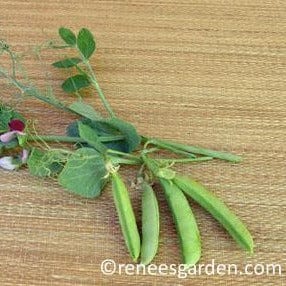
100,145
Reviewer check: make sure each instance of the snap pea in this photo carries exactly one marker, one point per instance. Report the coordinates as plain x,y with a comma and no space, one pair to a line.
186,225
150,224
218,209
126,216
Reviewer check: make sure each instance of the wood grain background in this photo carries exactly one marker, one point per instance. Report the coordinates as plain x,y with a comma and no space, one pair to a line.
209,73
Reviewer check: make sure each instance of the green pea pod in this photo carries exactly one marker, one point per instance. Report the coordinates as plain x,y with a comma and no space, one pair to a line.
185,221
126,216
150,224
218,209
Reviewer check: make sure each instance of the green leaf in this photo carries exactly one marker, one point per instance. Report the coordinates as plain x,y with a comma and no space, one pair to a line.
133,139
67,63
90,136
85,43
72,129
68,36
84,110
5,118
111,127
45,163
75,83
10,145
84,173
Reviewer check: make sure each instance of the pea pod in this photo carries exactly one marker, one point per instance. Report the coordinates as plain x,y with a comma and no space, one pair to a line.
218,209
126,216
150,224
185,222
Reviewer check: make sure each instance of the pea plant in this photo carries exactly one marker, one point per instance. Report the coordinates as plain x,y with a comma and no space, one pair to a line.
96,146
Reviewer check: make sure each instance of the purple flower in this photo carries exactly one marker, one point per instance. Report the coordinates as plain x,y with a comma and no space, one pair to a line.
16,125
8,162
16,128
12,163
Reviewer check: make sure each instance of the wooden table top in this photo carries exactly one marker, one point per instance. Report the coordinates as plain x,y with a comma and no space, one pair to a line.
208,73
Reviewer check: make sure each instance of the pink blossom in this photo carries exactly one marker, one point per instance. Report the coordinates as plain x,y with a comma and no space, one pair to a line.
7,163
9,136
24,156
17,127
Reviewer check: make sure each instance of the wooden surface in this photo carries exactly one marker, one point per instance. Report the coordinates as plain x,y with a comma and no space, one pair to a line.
209,73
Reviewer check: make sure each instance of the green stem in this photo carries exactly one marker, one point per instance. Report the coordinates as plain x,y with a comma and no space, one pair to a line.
163,145
186,160
118,160
151,164
69,139
102,97
178,147
95,83
12,62
32,91
127,155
